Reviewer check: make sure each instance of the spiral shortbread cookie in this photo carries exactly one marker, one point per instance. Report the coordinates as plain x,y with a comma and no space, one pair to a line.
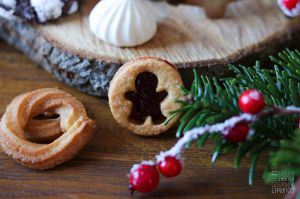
43,130
39,11
77,128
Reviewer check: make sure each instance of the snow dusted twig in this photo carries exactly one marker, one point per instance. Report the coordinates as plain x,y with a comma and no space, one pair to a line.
223,128
195,133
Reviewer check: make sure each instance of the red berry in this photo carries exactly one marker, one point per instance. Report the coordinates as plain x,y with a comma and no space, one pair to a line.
238,133
144,179
170,166
251,101
298,124
290,4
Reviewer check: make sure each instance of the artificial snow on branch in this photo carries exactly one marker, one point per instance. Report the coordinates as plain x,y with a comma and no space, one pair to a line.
211,109
226,128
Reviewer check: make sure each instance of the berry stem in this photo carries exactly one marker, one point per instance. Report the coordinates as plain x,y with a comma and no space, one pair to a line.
195,133
229,123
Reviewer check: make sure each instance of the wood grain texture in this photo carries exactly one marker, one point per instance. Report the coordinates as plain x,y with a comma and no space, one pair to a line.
100,170
186,37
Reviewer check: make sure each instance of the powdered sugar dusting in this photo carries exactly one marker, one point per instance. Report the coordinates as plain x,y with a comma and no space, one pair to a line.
9,3
47,9
8,14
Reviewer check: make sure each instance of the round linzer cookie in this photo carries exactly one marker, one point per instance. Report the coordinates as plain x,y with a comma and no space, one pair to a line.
142,94
39,11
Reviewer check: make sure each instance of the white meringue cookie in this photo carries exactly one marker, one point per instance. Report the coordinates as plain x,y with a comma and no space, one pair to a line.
124,23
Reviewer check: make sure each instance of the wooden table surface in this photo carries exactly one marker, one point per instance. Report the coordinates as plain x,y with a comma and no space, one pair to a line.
100,170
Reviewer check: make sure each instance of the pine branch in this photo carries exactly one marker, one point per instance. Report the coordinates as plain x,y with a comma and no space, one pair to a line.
211,101
169,162
210,110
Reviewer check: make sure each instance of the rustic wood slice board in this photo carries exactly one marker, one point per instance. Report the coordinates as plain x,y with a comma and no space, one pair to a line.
186,37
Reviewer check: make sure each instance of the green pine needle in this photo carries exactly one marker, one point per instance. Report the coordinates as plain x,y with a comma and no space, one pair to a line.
216,100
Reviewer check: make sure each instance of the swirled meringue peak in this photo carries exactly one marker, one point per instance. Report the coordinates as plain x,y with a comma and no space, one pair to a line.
124,23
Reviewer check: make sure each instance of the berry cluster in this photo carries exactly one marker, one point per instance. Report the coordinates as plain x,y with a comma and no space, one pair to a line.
250,101
144,177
